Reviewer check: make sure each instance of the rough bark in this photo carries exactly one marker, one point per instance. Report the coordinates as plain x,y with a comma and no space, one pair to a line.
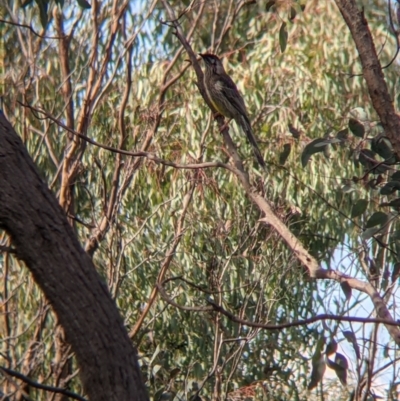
372,70
44,240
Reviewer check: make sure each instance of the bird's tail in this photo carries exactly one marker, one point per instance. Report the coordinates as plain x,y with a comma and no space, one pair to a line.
246,127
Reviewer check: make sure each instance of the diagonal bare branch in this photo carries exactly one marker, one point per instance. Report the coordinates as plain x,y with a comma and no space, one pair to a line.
306,259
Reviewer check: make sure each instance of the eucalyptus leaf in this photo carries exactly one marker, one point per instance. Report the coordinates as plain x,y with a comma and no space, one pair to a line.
326,142
367,159
351,338
285,153
382,147
312,148
341,372
395,272
359,113
357,128
26,3
348,188
343,135
43,5
269,5
318,370
283,37
359,208
346,290
84,4
390,187
331,348
395,203
378,218
292,14
341,367
386,350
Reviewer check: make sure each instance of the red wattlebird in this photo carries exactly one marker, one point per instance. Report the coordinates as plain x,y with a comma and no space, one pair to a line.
226,99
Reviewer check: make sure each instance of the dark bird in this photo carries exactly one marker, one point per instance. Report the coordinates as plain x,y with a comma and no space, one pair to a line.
226,99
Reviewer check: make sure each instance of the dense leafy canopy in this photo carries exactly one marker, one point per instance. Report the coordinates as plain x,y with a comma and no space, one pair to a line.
331,178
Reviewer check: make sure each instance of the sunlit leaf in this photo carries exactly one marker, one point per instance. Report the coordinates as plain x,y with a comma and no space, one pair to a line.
370,232
348,188
156,369
358,113
327,141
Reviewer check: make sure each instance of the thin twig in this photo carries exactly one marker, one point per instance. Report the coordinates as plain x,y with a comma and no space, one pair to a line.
32,383
218,308
148,155
31,29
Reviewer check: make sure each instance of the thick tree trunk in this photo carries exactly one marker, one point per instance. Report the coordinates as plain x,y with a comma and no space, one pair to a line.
44,240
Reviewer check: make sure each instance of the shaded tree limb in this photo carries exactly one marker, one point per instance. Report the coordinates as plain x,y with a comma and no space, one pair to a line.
44,240
372,70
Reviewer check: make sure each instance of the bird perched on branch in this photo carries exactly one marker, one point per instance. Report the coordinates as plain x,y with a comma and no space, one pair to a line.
226,99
